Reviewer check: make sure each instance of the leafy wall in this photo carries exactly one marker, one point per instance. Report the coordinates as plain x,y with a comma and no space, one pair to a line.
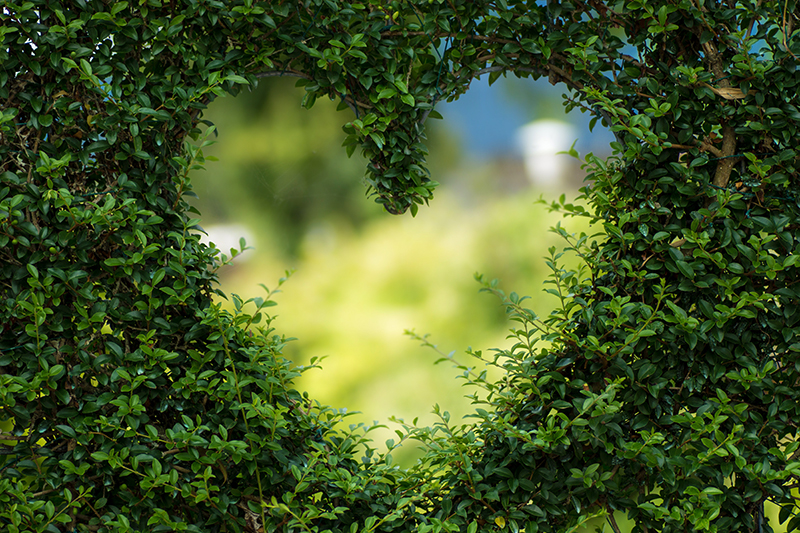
667,384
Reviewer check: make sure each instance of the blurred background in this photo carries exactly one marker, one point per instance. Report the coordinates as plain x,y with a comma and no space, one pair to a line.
362,276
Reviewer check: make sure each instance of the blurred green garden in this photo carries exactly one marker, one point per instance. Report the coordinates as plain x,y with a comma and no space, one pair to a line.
362,277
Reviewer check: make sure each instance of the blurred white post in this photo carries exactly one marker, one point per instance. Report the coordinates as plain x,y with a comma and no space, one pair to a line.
226,236
540,141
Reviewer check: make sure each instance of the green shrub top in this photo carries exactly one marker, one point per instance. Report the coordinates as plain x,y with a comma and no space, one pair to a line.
664,387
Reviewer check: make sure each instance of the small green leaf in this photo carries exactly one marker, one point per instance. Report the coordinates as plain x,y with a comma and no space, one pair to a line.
685,268
66,430
100,456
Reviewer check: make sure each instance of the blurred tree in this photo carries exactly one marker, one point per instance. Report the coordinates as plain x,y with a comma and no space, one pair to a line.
284,166
285,169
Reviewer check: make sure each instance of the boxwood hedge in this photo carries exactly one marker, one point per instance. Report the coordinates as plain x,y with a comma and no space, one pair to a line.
664,388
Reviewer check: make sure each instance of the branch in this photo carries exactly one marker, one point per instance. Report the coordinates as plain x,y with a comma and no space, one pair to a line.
448,36
752,22
6,436
478,74
630,59
352,103
725,166
287,72
613,521
727,161
553,72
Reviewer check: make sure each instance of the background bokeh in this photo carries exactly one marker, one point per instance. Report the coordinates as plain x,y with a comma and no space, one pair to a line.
361,276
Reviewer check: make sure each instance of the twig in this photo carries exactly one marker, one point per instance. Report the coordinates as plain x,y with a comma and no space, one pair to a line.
613,521
4,436
752,22
787,29
704,147
635,62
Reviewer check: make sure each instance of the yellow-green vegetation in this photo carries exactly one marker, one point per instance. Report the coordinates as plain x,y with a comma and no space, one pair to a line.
355,292
361,280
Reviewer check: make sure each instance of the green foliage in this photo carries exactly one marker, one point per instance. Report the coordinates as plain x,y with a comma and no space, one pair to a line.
665,386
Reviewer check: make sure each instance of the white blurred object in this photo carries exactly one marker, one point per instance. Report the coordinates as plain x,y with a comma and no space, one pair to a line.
226,236
540,141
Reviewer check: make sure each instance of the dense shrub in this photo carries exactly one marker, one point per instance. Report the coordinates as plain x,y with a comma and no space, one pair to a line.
664,387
